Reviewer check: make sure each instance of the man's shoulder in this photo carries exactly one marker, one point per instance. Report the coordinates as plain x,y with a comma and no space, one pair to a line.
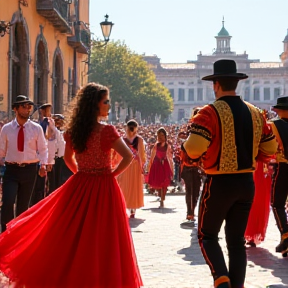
7,125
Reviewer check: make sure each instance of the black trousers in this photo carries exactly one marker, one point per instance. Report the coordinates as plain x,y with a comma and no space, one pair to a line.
279,193
18,184
192,179
225,197
62,172
43,187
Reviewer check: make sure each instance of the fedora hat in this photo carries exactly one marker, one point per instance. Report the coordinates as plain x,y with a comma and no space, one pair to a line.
282,103
225,69
58,117
21,99
43,106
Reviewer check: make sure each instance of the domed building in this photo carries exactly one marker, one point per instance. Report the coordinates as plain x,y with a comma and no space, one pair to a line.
267,80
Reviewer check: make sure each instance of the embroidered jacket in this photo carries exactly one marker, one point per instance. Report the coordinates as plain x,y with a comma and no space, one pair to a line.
228,135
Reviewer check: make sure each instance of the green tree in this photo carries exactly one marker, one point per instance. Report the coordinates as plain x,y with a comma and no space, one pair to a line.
130,80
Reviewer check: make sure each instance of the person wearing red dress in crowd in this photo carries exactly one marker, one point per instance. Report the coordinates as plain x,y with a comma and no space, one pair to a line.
79,235
260,210
160,166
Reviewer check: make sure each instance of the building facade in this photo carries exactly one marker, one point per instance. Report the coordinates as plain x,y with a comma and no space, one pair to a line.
45,55
267,80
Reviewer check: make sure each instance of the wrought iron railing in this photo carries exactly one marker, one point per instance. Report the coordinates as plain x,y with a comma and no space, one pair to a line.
62,8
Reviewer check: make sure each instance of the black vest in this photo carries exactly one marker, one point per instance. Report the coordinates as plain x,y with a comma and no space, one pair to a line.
282,127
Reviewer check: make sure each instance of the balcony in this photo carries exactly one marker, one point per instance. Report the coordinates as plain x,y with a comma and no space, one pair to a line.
81,38
56,12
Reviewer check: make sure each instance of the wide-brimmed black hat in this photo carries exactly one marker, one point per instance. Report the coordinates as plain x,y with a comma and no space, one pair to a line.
21,99
282,103
225,69
43,106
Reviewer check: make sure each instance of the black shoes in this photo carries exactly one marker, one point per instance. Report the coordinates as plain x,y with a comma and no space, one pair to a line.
282,247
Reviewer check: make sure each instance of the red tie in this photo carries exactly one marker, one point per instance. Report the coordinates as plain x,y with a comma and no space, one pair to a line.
20,140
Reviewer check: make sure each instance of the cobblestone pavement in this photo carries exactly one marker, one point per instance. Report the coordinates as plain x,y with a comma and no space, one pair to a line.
169,256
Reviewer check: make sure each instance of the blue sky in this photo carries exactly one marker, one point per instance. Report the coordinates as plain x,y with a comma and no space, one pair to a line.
177,30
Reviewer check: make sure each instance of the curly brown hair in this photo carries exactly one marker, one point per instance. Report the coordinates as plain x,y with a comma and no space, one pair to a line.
84,114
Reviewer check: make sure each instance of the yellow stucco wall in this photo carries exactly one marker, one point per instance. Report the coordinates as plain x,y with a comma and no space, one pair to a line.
52,37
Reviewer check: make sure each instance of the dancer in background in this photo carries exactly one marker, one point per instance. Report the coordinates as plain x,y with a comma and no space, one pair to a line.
160,167
131,180
260,210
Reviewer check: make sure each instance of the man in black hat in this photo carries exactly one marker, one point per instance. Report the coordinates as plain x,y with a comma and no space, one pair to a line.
228,135
279,191
23,145
45,186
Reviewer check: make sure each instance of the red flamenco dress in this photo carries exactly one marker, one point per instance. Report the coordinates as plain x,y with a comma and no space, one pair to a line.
260,210
160,173
79,236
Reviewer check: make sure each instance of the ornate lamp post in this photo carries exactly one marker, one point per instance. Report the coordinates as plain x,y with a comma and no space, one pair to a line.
4,27
106,27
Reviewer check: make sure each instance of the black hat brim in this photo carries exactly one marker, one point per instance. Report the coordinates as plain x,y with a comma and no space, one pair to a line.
281,107
45,106
238,76
22,102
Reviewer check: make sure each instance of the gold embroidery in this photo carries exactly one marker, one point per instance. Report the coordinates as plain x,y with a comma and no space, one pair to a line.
257,120
197,129
228,159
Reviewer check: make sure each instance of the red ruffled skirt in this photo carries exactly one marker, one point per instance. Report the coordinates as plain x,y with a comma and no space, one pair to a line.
260,210
160,174
77,237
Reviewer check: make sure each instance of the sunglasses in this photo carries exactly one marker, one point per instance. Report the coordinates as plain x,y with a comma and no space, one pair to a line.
26,105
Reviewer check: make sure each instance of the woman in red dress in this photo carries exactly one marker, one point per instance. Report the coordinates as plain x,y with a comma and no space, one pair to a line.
79,236
161,165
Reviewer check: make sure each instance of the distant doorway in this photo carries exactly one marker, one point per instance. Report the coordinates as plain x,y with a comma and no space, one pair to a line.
58,82
20,61
41,72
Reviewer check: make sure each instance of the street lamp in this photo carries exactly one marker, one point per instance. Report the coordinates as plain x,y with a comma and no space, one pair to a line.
106,27
4,27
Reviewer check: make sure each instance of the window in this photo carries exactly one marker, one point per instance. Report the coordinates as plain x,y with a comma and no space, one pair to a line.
276,93
181,94
171,93
181,114
247,94
181,83
191,95
266,93
171,83
199,94
256,94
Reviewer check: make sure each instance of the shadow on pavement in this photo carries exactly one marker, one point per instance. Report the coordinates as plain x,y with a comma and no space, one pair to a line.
163,210
193,253
262,257
135,222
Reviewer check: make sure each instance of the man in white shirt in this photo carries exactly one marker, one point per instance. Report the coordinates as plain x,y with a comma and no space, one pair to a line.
44,186
23,146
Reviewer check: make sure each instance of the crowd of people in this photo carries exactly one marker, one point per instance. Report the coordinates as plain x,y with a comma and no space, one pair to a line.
61,179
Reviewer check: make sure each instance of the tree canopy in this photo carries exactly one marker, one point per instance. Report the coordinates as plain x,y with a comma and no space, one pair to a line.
131,82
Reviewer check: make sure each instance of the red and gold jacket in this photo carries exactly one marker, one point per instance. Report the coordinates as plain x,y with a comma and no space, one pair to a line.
212,138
